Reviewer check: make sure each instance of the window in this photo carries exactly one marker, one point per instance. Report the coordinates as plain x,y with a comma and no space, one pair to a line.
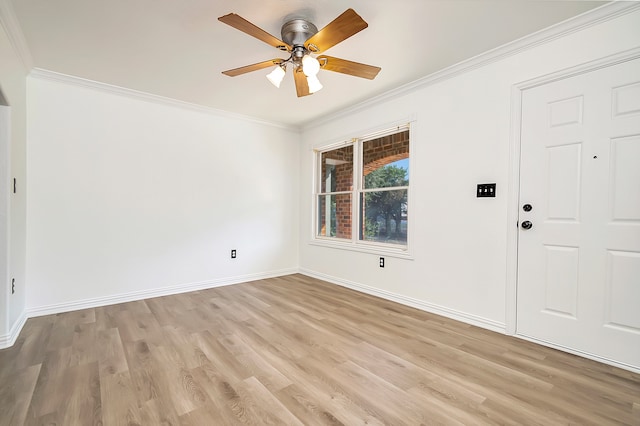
362,191
336,185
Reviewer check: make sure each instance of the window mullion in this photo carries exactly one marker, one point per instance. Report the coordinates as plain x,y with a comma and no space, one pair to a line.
357,186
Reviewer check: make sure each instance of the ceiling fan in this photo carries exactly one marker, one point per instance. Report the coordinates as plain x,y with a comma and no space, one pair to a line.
303,40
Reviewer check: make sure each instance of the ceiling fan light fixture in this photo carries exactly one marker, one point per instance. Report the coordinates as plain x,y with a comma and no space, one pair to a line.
302,40
310,66
276,76
314,83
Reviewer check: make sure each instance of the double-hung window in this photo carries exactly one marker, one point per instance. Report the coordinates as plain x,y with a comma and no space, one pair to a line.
362,191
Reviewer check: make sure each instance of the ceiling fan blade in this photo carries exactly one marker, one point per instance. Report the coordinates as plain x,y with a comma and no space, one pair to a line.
302,86
254,67
348,67
239,23
341,28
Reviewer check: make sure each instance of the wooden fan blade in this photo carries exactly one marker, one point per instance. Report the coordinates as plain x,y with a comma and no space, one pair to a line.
255,67
239,23
348,67
341,28
302,87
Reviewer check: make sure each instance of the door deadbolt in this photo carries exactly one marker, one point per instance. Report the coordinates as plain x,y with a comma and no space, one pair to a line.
527,207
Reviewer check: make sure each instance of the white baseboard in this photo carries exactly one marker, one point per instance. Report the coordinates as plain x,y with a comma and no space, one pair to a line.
36,311
628,367
147,294
409,301
8,340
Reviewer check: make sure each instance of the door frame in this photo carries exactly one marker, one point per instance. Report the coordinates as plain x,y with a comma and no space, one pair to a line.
513,190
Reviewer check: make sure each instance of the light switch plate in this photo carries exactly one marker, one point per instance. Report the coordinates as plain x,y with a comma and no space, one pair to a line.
486,190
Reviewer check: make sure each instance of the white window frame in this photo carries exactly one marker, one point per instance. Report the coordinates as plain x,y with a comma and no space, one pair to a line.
354,243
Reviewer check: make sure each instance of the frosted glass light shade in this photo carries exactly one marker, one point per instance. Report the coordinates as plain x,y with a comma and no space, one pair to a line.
314,84
276,76
310,66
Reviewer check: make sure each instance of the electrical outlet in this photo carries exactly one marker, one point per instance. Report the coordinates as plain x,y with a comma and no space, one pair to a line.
382,262
233,253
13,285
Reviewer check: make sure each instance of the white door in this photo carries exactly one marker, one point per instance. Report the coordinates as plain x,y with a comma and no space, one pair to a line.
579,262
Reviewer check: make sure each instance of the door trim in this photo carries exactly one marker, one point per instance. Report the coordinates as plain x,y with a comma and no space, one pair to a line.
513,189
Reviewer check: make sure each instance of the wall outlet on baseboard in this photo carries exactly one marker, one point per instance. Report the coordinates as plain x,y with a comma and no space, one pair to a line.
233,253
382,262
13,285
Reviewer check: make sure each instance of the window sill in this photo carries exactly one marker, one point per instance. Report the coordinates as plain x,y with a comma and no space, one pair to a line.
400,253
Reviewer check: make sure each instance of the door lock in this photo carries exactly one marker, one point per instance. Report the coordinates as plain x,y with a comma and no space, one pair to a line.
527,225
527,207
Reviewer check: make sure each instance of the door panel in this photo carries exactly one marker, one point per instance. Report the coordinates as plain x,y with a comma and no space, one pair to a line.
625,175
626,100
561,280
563,182
579,264
623,270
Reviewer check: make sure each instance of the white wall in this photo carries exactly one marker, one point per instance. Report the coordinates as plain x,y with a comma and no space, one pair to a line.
129,198
5,153
13,215
461,139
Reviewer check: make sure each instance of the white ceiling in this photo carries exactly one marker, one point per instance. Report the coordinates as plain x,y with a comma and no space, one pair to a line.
178,48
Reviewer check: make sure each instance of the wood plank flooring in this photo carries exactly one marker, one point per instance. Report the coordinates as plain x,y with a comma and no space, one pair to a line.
295,351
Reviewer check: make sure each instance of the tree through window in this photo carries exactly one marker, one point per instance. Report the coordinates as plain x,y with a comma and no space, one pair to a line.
384,197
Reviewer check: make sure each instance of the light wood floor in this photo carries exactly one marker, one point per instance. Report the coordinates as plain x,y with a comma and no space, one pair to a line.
294,350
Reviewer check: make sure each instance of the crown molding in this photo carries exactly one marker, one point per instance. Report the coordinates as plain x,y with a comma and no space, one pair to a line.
42,74
590,18
11,25
587,19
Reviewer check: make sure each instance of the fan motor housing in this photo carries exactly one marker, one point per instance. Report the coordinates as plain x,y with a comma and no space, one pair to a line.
297,31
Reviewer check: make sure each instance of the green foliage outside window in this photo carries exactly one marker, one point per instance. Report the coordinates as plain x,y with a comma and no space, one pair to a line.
385,210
